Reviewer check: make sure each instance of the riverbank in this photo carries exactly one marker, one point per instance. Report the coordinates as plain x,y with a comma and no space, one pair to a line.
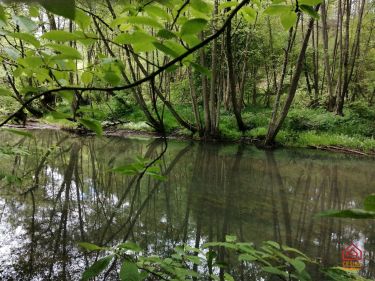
310,139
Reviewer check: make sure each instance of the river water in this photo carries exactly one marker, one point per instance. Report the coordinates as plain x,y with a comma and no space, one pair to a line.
60,189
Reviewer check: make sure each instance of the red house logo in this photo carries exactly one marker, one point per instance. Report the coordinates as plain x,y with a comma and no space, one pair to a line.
352,257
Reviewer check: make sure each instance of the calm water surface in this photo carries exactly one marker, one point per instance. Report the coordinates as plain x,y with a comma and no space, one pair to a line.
60,190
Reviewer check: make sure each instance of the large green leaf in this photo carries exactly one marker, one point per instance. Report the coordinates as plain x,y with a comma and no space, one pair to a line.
60,35
96,268
130,246
111,77
166,50
25,23
65,8
66,52
288,19
129,272
144,21
137,37
82,19
277,9
92,125
26,37
87,77
193,26
201,6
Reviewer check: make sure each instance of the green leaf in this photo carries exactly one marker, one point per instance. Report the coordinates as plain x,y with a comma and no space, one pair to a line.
351,213
67,95
111,77
87,77
141,20
166,50
96,268
129,272
277,9
59,115
89,246
34,11
166,34
193,26
3,17
201,69
298,265
310,11
60,35
82,19
130,246
19,132
92,125
274,271
309,2
134,38
273,244
228,4
249,14
369,203
26,37
230,238
66,52
5,93
65,8
25,23
155,11
201,6
288,19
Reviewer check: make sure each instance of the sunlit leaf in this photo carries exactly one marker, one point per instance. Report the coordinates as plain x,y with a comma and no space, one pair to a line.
60,35
25,37
288,19
25,24
193,26
277,9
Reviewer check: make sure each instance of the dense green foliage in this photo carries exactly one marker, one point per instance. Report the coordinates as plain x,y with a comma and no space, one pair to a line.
208,68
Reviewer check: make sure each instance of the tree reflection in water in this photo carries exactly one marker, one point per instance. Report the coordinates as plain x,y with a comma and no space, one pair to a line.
69,193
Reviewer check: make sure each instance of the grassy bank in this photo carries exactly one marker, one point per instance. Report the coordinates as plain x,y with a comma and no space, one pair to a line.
304,127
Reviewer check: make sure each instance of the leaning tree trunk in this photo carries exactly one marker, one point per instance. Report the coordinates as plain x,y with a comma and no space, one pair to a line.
274,129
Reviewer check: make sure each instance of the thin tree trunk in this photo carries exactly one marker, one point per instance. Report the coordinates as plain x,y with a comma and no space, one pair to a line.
273,130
